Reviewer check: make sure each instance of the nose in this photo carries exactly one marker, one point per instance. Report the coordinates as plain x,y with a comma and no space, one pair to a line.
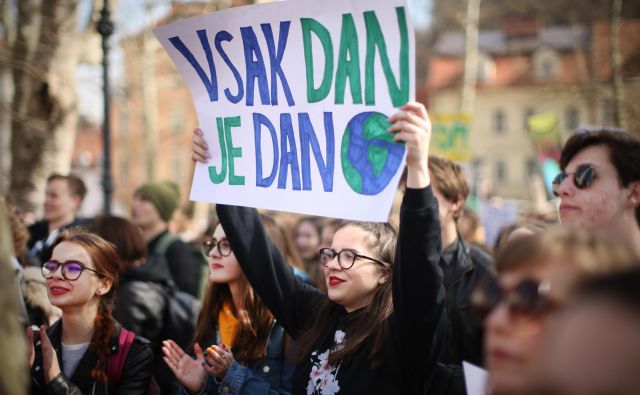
498,319
334,264
566,186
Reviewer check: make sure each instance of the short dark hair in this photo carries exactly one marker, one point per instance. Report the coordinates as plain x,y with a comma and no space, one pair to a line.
126,237
620,288
450,180
624,153
76,185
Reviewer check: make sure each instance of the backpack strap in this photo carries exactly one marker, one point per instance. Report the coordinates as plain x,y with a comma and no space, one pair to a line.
115,362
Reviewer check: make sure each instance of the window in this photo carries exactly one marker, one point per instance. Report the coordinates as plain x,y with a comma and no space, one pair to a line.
525,118
499,121
607,112
500,171
530,168
571,119
546,63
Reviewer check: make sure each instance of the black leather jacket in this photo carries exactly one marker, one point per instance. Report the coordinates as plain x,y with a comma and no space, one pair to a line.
464,266
135,378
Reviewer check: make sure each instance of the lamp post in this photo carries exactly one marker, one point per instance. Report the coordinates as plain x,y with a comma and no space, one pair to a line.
105,29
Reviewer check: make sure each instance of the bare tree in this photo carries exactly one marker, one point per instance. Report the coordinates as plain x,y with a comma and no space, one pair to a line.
43,112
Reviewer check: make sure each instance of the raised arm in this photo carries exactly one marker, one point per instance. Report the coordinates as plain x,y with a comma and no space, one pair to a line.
290,300
419,320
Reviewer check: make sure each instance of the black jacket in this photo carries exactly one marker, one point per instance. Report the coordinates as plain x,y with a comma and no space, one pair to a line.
464,266
141,306
185,269
416,327
135,378
39,233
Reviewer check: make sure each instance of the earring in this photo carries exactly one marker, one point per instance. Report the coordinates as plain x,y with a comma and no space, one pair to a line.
99,292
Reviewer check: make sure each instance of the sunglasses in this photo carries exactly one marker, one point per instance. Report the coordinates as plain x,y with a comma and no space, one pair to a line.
346,258
224,248
529,299
582,178
71,270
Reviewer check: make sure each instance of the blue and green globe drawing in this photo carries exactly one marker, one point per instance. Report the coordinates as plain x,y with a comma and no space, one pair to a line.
370,157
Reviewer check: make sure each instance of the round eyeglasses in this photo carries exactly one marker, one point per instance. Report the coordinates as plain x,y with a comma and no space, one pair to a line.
71,270
346,258
224,248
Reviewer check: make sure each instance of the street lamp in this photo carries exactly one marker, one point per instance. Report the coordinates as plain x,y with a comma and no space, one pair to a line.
105,29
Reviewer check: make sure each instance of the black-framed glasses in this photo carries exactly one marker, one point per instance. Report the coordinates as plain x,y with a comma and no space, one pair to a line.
529,299
224,248
346,258
71,270
582,178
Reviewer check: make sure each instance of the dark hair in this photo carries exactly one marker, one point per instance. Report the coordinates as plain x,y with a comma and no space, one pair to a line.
254,320
372,322
624,153
449,178
620,287
125,236
75,183
108,264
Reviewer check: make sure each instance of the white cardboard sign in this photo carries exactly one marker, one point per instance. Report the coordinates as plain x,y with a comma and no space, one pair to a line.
293,99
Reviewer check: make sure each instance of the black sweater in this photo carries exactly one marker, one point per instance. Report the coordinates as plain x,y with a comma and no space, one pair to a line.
416,327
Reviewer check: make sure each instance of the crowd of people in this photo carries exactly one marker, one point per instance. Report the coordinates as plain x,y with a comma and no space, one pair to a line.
307,305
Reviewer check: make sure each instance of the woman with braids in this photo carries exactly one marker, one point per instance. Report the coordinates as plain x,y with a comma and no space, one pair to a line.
72,356
246,345
379,328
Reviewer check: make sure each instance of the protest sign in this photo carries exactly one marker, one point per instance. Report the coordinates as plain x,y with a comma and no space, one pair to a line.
451,136
293,99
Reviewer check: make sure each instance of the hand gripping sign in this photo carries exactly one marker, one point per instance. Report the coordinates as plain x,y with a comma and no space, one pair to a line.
293,99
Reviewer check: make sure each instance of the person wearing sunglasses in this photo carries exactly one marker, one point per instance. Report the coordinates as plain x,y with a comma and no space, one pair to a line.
244,346
599,186
536,274
71,356
380,327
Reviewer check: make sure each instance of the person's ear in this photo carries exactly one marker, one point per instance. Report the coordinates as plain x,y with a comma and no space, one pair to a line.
634,193
457,207
383,279
105,286
77,200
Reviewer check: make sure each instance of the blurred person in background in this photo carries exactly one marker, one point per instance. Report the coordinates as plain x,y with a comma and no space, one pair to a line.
140,302
593,347
13,375
153,206
64,195
285,244
37,309
464,265
308,235
536,274
599,186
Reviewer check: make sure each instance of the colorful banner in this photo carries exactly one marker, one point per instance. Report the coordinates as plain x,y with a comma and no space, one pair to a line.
544,131
293,99
450,136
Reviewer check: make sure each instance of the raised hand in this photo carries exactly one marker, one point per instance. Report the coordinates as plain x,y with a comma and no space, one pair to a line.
218,360
49,357
199,149
412,126
188,371
31,352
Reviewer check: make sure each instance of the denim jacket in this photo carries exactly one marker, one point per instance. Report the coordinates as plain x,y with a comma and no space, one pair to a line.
270,375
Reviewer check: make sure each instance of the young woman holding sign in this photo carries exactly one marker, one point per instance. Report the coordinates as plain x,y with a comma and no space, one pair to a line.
379,328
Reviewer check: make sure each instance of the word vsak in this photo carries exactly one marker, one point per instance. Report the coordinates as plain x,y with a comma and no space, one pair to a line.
285,151
347,67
